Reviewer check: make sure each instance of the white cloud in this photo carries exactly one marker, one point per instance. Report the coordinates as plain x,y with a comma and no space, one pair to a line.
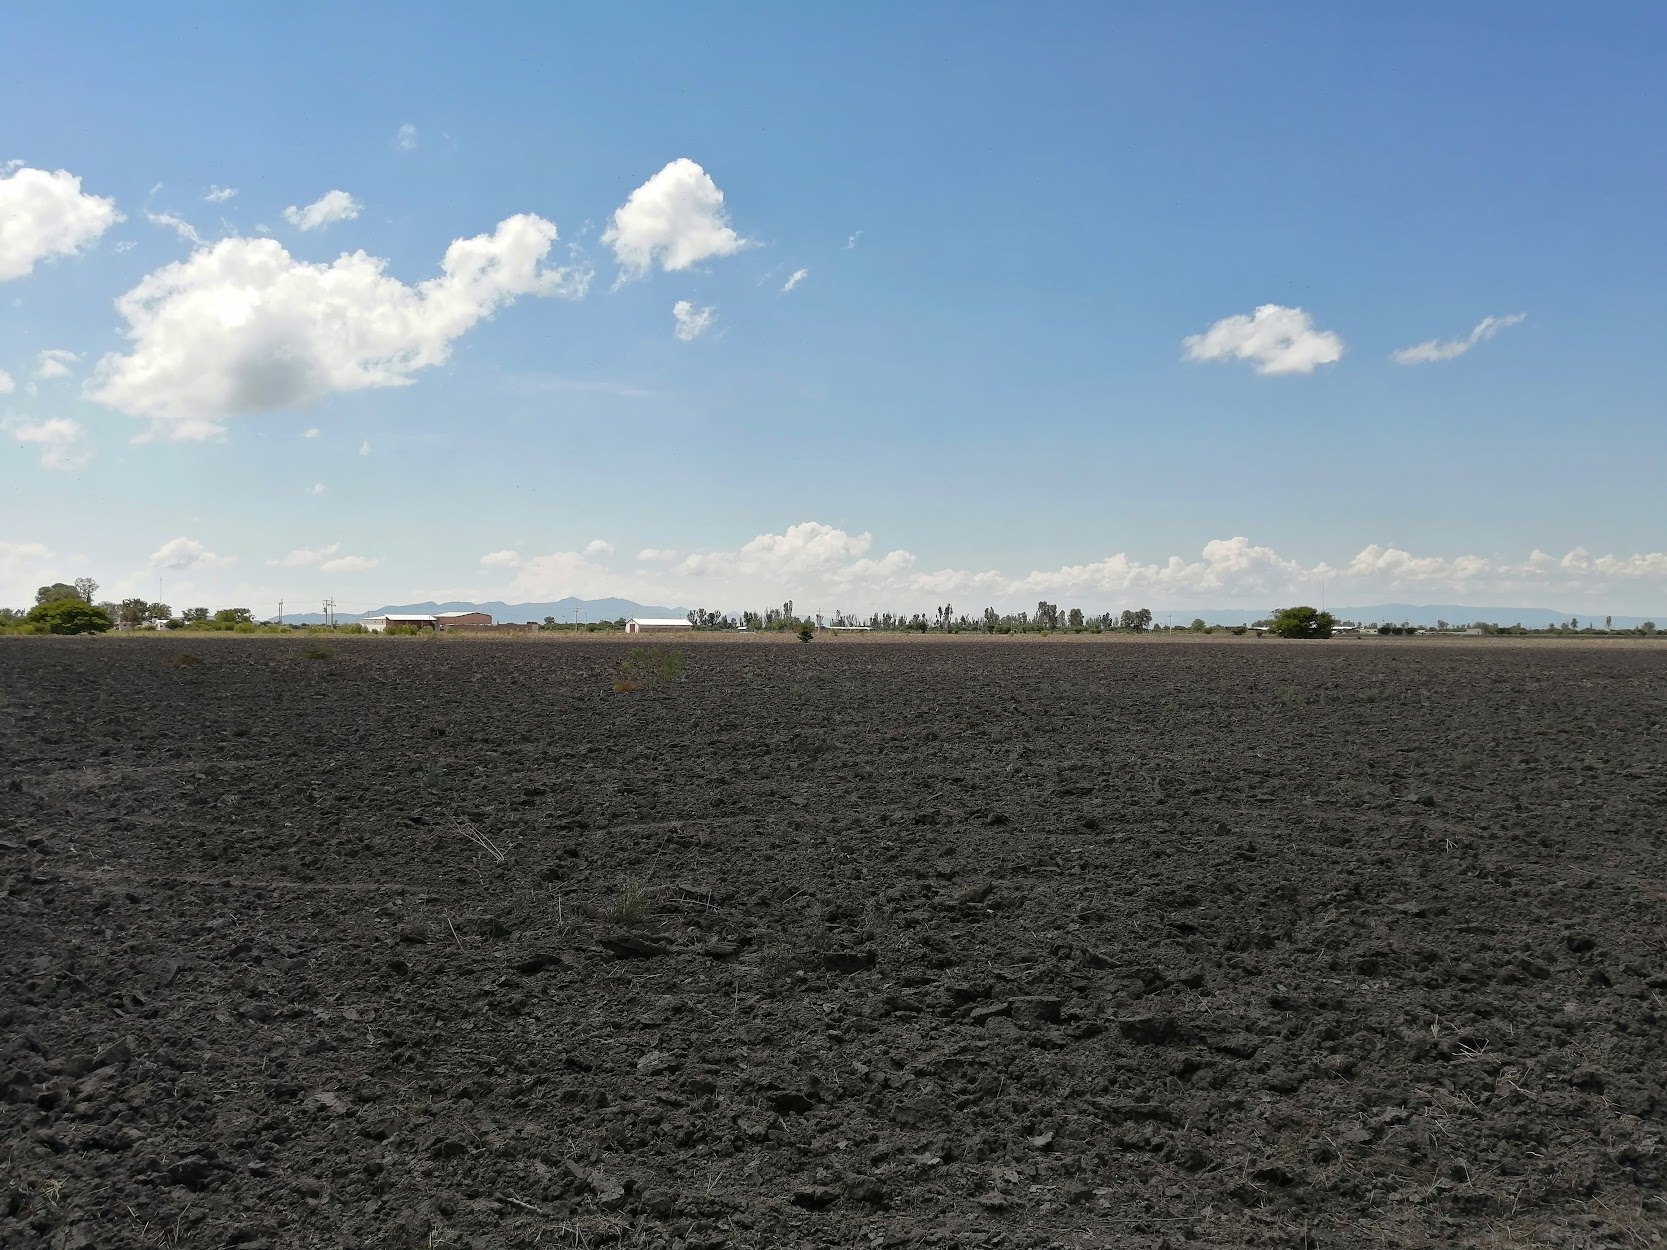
677,217
330,207
799,275
43,215
501,560
1275,339
364,448
62,442
178,225
124,245
405,138
564,573
692,322
53,363
7,386
306,557
658,555
599,547
851,243
187,553
244,327
317,488
219,195
12,555
1450,349
312,432
348,564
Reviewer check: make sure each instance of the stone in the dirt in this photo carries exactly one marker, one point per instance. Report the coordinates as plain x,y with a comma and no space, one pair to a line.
1036,1011
533,964
633,945
844,963
988,1011
815,1197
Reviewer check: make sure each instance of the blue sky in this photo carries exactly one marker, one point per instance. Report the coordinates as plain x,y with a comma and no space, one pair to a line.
1021,362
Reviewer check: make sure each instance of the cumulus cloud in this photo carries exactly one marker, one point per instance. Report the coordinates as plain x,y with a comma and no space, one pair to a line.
219,195
798,276
43,215
405,138
1450,349
7,386
330,207
841,568
691,322
599,547
1275,339
53,363
63,443
312,432
244,327
187,553
501,560
306,557
657,555
677,217
178,225
565,573
348,564
13,555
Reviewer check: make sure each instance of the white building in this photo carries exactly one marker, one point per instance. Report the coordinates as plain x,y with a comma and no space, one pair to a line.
378,624
656,624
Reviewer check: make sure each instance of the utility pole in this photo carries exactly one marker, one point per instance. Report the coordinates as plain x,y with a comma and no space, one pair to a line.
280,611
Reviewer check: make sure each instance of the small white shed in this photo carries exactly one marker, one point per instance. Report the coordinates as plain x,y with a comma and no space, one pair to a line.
656,624
379,624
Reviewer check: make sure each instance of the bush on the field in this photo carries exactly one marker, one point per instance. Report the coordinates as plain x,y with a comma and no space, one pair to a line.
1302,622
644,668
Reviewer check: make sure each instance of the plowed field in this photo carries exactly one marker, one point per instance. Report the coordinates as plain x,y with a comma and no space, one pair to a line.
966,943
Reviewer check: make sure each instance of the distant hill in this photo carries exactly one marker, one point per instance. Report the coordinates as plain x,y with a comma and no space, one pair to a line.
561,609
1416,614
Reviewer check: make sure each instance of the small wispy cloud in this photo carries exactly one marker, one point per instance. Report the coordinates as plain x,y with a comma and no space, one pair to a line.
799,275
405,138
219,195
316,489
364,448
1450,349
851,243
63,443
599,547
53,363
692,322
179,226
311,433
330,207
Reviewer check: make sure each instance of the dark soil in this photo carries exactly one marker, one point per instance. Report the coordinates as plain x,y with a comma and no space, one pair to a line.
1121,944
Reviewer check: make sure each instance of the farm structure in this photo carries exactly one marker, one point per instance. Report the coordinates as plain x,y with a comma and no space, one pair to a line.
656,625
425,620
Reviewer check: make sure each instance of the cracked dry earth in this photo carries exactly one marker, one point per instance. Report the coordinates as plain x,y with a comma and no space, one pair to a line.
1068,942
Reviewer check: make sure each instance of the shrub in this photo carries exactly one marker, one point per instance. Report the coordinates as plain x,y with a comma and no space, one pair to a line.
806,633
647,667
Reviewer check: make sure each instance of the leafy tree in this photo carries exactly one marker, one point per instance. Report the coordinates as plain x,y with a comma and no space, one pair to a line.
1197,625
234,616
70,616
138,611
10,616
1302,622
86,587
192,616
1139,621
1073,618
57,592
1047,615
1648,627
806,633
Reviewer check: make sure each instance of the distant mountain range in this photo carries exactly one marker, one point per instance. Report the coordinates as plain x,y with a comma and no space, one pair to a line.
561,609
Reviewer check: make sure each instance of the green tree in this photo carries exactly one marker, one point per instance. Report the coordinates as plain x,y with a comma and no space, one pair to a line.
86,587
1302,622
192,616
1047,615
234,616
57,592
69,616
1073,618
1197,625
138,611
1648,627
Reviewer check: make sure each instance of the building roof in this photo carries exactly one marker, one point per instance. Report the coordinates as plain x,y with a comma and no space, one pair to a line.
661,620
400,616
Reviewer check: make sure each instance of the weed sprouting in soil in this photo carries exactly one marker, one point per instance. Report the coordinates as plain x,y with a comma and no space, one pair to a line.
433,775
645,668
631,904
1464,762
1371,696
